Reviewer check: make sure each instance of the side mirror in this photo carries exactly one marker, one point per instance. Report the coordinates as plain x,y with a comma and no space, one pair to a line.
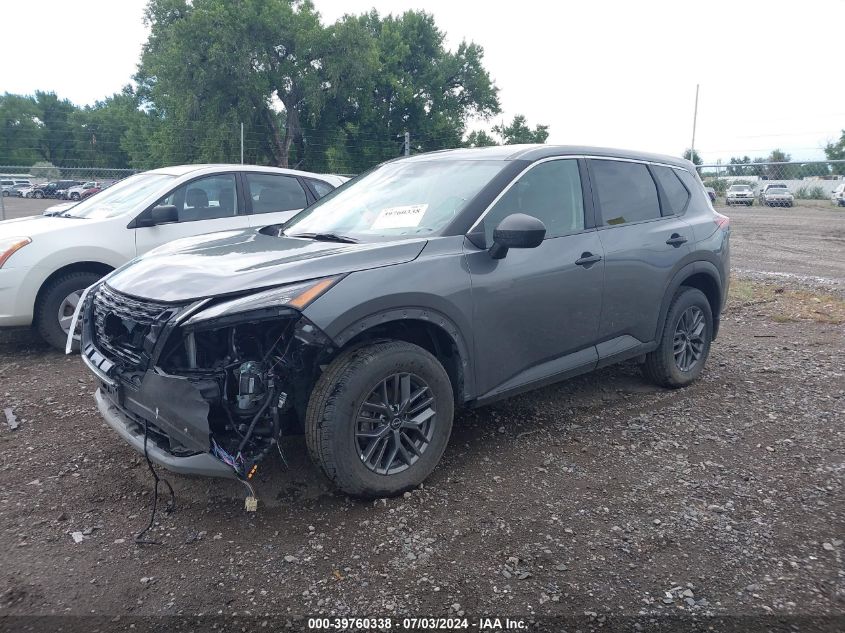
517,231
164,214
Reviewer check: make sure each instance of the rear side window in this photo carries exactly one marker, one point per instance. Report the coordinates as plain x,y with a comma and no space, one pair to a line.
551,192
271,192
320,188
676,194
626,191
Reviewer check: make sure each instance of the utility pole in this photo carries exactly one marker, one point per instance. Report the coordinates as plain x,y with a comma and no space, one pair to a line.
407,143
694,121
242,143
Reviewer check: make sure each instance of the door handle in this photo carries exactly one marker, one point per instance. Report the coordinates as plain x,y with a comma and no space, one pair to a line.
676,240
587,259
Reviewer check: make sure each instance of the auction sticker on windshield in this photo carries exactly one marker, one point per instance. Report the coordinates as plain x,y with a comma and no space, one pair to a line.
404,217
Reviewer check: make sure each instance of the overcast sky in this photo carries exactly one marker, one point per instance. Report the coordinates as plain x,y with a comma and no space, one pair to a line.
618,74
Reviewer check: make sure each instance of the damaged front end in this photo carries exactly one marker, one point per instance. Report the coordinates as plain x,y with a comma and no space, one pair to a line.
213,383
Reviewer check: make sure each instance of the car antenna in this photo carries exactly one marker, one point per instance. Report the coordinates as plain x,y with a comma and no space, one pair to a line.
170,506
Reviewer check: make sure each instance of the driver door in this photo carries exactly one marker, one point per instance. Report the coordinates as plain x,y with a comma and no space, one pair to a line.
536,311
204,205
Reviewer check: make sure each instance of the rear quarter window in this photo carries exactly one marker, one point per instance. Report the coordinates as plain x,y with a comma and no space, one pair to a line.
676,196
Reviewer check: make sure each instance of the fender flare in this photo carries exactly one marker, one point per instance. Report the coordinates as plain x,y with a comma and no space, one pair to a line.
676,282
436,318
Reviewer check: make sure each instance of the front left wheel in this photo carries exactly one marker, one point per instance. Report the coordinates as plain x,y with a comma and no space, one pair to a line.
379,418
54,312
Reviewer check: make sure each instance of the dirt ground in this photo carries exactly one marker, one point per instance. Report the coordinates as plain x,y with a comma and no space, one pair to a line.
600,498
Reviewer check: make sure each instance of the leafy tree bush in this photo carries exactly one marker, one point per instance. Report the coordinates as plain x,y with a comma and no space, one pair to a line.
814,192
44,170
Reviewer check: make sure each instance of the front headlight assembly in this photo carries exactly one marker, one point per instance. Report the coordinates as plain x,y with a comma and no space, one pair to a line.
11,245
265,303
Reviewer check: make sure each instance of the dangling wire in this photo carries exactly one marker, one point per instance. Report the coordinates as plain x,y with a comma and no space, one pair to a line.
170,506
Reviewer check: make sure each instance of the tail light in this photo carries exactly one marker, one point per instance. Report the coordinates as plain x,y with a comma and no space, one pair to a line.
722,221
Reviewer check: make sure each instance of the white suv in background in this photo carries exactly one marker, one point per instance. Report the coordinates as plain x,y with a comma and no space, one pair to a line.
46,262
739,194
838,195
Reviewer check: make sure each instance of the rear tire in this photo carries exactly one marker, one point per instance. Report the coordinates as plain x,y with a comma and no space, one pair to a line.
666,365
341,402
54,299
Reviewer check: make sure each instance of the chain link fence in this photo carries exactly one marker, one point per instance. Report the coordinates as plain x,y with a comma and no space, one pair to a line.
807,180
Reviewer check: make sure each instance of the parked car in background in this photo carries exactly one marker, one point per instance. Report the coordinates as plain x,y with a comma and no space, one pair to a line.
777,196
90,191
53,189
46,262
75,193
11,186
739,194
838,195
711,193
452,278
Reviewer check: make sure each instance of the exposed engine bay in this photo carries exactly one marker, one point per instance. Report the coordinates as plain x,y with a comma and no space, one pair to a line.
261,371
226,386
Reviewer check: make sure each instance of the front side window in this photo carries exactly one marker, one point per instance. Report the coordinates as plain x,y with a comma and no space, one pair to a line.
405,198
676,193
551,192
626,192
204,199
273,192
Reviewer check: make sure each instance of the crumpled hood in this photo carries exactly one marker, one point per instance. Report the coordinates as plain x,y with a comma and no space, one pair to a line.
235,261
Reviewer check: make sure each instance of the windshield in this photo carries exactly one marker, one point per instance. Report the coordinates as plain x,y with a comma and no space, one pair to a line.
398,199
120,198
740,188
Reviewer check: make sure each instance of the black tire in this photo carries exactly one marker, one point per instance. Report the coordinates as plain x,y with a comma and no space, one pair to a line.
38,194
46,312
332,416
660,365
74,196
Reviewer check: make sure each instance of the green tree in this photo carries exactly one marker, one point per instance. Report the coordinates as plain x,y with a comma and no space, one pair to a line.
517,131
693,156
479,138
836,151
20,134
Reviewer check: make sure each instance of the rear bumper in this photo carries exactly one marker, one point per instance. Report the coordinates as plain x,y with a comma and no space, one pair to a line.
202,464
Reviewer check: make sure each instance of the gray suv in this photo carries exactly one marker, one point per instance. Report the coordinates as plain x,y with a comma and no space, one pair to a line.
443,280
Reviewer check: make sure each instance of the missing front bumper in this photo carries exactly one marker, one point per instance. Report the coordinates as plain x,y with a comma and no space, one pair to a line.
202,464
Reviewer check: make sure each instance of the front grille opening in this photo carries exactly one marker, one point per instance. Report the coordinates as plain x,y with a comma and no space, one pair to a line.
124,329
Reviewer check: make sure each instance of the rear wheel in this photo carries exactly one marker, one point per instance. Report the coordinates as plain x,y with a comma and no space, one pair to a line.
685,342
54,312
379,418
74,196
38,194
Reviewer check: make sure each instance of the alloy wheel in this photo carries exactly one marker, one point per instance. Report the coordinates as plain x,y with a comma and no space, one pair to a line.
395,424
688,343
66,309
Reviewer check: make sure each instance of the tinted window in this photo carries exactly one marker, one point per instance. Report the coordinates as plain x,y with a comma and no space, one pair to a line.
204,199
677,195
551,192
321,188
626,192
271,192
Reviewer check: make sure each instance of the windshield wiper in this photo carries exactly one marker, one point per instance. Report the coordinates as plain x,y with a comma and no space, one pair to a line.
325,237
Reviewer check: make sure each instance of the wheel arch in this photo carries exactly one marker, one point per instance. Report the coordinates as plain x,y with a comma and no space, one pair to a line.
430,329
702,275
97,268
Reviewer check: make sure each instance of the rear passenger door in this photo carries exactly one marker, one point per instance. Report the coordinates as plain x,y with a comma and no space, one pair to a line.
203,205
639,210
273,198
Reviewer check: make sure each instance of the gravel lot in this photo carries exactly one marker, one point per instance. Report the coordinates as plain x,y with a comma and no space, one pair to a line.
600,498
